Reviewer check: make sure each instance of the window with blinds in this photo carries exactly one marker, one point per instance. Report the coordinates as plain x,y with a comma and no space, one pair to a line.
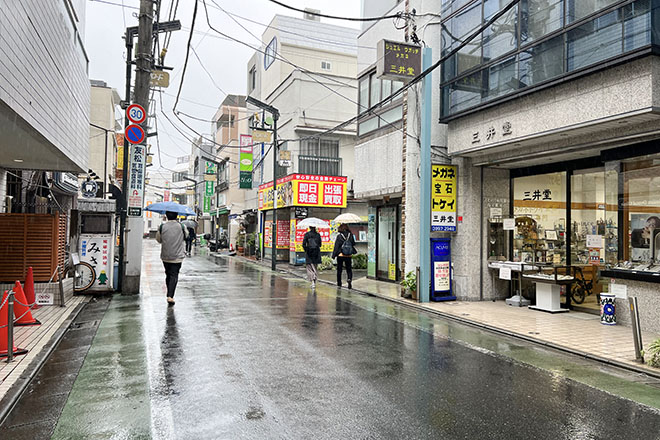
320,157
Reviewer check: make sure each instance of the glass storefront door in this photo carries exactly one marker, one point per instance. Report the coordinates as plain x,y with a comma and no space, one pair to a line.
387,266
589,232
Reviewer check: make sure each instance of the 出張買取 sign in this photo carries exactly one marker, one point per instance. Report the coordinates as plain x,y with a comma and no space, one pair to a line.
304,190
443,198
398,61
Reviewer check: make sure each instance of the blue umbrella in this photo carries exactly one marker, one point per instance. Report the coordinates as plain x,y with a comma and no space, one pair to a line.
162,207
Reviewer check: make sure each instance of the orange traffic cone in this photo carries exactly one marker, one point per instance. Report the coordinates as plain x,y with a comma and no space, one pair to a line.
3,331
29,289
22,313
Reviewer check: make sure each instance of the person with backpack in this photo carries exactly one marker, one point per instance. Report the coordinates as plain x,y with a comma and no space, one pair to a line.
189,240
343,252
172,235
312,246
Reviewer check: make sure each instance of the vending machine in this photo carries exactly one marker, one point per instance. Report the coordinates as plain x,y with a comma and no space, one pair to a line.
96,242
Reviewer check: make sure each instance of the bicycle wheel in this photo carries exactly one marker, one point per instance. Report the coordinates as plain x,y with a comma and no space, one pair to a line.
578,294
84,276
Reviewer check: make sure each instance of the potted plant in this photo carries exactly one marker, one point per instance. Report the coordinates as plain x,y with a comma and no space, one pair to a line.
250,241
410,284
240,243
654,354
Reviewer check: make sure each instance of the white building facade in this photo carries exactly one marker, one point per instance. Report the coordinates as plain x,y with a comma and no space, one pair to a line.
308,73
44,98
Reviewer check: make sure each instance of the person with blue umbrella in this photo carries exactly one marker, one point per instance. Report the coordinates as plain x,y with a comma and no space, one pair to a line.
172,236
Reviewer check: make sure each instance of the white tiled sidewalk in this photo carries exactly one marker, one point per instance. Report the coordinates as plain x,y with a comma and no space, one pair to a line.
35,339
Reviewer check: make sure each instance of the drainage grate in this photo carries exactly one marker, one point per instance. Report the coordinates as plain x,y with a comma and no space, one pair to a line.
83,325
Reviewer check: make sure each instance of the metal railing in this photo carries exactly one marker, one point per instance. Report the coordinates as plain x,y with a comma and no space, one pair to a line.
10,300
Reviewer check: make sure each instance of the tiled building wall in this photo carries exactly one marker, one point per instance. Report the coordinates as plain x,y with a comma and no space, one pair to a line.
43,75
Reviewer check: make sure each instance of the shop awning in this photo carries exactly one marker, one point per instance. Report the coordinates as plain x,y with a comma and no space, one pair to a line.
219,212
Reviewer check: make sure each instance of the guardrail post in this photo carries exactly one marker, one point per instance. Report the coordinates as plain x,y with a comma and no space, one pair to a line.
10,326
637,331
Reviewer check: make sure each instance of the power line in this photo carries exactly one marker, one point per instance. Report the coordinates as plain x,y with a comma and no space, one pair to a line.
334,17
185,63
309,37
422,75
121,5
310,74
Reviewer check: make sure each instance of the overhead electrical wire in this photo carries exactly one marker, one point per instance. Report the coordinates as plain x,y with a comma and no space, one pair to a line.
310,74
335,17
185,63
393,95
286,31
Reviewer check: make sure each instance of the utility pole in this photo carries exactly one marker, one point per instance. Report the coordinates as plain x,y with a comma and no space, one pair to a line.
276,115
273,261
425,183
143,63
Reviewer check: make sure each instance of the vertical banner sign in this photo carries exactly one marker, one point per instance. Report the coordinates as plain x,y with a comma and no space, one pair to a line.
246,162
136,180
371,243
441,288
208,193
443,198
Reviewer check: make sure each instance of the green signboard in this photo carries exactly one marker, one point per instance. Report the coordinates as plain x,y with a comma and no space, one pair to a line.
208,193
245,162
211,168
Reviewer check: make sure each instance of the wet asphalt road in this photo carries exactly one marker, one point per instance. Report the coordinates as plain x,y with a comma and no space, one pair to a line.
244,354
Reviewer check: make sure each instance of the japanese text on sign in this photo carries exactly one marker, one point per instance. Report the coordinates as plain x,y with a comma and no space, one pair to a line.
304,190
297,236
136,180
398,61
538,194
443,198
283,237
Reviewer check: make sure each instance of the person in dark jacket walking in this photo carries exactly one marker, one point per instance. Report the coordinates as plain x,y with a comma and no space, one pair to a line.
343,252
312,246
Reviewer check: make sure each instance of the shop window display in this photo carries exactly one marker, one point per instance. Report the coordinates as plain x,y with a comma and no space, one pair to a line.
640,205
539,208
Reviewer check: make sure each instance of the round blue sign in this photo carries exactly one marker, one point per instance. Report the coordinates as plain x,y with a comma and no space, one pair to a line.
134,134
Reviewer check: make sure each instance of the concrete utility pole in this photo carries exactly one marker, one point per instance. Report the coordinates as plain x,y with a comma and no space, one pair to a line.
143,62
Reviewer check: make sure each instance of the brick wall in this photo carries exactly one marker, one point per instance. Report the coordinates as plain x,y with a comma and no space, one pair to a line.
43,73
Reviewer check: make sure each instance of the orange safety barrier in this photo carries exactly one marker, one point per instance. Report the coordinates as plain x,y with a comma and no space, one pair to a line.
4,343
29,289
21,308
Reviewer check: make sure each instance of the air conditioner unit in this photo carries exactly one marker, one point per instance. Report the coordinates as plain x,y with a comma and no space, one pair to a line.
310,14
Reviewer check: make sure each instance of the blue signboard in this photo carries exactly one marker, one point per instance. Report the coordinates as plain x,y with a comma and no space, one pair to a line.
441,276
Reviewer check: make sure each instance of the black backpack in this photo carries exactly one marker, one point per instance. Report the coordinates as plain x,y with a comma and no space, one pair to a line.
347,247
312,243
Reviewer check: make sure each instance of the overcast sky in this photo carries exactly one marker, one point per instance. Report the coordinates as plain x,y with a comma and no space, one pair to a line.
225,60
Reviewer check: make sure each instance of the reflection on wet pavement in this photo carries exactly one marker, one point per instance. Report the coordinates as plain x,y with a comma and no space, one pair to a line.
245,354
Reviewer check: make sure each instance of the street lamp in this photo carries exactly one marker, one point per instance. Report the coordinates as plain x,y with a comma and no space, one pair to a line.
276,115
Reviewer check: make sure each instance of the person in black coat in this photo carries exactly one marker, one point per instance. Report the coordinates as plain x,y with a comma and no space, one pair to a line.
343,252
312,246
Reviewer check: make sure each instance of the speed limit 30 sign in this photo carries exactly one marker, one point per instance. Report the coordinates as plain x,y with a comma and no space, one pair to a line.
136,113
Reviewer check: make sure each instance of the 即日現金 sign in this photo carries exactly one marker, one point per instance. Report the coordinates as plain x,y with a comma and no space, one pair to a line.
304,190
443,198
398,61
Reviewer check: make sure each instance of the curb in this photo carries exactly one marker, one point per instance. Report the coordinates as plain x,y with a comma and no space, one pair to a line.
482,326
16,391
